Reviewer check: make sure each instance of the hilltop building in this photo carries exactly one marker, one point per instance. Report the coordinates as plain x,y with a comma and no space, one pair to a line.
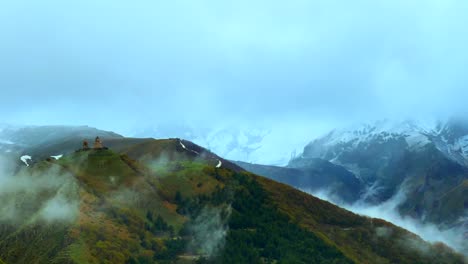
85,145
96,146
98,143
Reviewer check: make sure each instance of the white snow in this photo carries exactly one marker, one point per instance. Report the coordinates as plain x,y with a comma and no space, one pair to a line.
57,157
184,147
417,140
459,146
182,144
414,133
25,159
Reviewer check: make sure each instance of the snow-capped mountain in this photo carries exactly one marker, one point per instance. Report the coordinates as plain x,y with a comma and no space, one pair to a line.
426,161
451,138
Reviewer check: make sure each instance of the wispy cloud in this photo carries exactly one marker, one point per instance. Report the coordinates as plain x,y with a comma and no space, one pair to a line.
388,211
48,194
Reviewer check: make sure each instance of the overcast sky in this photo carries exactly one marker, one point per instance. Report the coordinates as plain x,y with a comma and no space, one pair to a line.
122,64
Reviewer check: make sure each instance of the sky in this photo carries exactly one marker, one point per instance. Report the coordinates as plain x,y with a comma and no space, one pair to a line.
304,65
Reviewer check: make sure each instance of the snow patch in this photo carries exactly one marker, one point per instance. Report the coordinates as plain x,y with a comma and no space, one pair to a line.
182,144
459,146
25,159
416,140
57,157
219,164
184,147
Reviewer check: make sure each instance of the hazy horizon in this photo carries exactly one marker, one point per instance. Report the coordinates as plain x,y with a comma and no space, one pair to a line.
295,69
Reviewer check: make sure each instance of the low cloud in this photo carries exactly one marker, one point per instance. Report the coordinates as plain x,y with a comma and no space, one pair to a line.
209,230
388,211
38,194
383,231
59,208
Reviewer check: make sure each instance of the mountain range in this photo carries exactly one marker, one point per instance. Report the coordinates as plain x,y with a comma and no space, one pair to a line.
142,200
425,165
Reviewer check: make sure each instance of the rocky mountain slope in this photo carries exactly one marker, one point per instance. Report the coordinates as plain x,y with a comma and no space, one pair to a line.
428,162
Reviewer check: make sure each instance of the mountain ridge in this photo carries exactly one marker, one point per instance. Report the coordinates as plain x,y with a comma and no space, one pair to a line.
154,201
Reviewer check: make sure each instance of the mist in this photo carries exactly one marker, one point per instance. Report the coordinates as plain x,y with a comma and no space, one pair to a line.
209,229
47,195
388,210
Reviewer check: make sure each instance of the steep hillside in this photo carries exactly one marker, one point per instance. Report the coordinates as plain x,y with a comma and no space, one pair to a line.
171,201
316,175
365,240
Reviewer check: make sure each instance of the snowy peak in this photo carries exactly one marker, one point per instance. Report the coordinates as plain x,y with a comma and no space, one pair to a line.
450,138
414,135
452,130
428,162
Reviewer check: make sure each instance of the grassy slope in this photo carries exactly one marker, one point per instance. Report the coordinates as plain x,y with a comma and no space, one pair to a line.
120,199
358,237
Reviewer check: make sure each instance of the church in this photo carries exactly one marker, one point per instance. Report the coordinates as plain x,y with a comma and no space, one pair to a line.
96,146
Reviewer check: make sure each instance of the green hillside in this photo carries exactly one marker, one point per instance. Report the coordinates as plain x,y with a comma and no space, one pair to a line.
165,201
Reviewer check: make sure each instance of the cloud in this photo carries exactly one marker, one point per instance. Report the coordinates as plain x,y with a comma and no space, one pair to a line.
28,196
296,68
60,209
388,211
209,62
209,230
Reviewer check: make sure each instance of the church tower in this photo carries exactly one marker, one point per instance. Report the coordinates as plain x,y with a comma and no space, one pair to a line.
98,144
85,145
